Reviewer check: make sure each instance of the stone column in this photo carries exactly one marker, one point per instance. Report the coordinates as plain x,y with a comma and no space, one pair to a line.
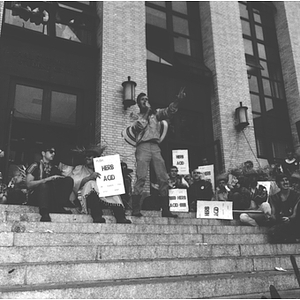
224,55
122,53
288,34
1,14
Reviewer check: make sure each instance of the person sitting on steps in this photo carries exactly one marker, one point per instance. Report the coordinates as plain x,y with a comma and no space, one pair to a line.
47,187
86,188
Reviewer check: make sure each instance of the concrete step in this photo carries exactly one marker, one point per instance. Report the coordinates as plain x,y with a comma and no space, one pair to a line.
60,272
8,216
284,294
18,226
30,213
199,286
73,239
40,254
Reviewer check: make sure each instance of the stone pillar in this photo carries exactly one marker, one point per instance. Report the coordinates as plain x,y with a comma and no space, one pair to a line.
224,55
288,34
122,53
1,14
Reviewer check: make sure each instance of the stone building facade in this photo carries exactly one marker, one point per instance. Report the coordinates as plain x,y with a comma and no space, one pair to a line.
161,46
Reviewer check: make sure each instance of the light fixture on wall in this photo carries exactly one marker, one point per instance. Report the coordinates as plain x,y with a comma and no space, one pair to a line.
241,117
128,93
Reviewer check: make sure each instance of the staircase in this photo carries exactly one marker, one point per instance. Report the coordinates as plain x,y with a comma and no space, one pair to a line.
154,257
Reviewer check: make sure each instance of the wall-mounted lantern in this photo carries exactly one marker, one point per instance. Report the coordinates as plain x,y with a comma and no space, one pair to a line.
241,117
128,93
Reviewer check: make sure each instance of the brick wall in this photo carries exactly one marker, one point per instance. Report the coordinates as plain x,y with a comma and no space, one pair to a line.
1,14
224,55
288,33
122,52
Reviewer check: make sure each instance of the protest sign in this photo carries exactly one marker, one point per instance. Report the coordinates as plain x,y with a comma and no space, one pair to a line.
178,200
214,210
111,181
208,172
181,161
267,185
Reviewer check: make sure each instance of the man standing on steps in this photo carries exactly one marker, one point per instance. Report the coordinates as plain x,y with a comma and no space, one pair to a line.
147,129
47,187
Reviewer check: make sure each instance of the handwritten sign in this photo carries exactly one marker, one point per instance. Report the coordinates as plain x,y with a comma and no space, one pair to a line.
111,181
267,185
181,161
208,172
178,200
214,210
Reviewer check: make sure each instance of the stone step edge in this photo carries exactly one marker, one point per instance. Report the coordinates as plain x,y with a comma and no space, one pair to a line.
284,294
25,223
110,261
138,281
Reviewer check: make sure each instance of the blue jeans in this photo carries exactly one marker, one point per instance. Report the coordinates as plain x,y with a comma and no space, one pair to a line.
144,154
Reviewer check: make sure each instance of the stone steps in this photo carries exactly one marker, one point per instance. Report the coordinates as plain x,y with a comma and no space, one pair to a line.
70,239
60,272
199,286
154,257
35,254
72,227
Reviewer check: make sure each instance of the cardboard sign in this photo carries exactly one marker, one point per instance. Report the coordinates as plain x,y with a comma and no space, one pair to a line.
214,210
178,200
208,172
267,185
111,181
181,161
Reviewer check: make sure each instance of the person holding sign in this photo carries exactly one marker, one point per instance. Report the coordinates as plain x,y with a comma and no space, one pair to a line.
147,130
175,180
200,189
86,189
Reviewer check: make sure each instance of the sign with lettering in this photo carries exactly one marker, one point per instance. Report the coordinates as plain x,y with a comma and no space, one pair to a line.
214,210
178,200
208,172
111,181
267,185
181,161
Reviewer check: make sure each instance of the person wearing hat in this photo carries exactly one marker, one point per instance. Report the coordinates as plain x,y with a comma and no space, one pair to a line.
222,189
47,187
147,128
258,201
285,212
200,189
86,189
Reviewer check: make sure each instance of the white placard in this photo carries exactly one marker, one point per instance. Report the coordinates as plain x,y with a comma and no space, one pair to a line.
178,200
208,172
267,185
214,210
181,161
111,181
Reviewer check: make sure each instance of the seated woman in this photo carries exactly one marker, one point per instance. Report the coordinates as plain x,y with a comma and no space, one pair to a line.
86,189
285,212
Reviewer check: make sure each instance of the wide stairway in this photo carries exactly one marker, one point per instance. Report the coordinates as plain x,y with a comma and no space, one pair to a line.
154,257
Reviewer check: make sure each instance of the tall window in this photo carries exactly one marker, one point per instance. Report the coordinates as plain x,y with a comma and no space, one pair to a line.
73,20
45,104
173,27
269,107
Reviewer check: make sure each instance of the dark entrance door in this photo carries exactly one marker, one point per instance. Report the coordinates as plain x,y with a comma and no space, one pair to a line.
191,128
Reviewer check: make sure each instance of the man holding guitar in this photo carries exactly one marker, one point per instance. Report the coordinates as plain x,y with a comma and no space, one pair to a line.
147,130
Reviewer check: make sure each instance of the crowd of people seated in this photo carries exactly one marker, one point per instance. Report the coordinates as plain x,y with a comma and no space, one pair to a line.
54,189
